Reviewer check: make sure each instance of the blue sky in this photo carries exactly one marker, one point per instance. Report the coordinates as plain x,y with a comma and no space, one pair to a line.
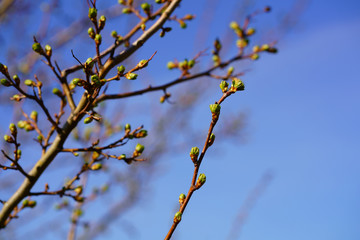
303,116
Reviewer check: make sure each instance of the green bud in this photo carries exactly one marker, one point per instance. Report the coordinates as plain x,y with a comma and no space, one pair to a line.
78,190
171,65
234,25
211,139
131,76
37,48
28,127
5,82
122,156
237,85
96,166
87,120
34,115
224,86
29,82
191,63
39,138
127,127
141,134
114,34
216,59
255,56
189,17
121,69
78,212
182,24
8,139
92,13
21,124
201,180
13,129
265,47
76,81
158,1
91,32
18,154
16,97
142,63
194,153
102,21
215,108
98,39
95,79
256,48
48,50
230,70
139,148
250,31
16,79
126,10
57,92
177,217
182,198
241,43
145,6
122,2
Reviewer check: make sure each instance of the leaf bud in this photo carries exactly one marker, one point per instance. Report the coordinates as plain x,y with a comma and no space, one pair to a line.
121,157
141,134
13,129
215,108
102,21
48,50
267,9
217,45
29,83
28,127
98,39
237,85
230,70
265,47
182,24
95,79
224,86
87,120
162,33
171,65
256,48
142,63
21,124
182,198
37,48
121,69
5,82
189,17
91,32
177,217
18,154
216,59
78,190
139,148
114,34
146,7
34,116
250,31
89,63
126,10
242,42
16,79
234,25
16,98
201,180
211,139
92,14
76,81
131,76
191,63
8,139
57,92
39,138
96,166
194,153
122,2
127,127
255,56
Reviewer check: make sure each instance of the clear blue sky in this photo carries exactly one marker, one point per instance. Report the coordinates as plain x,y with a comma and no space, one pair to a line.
303,118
